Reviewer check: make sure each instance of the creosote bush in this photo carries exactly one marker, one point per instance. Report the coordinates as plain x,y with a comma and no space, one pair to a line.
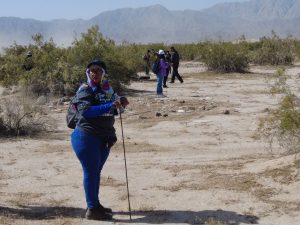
283,124
59,71
19,117
274,51
225,57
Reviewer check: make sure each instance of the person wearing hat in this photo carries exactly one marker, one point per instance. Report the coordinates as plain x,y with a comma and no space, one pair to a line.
28,63
94,135
163,65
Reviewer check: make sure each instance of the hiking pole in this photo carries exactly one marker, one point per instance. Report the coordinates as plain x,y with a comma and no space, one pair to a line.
125,165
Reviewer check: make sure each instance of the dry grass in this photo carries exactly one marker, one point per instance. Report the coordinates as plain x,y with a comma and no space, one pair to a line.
111,182
51,148
221,76
6,220
284,175
24,198
211,221
145,208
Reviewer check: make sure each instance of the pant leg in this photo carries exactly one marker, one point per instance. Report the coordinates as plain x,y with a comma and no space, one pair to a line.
159,89
176,74
165,80
147,69
92,154
103,158
173,75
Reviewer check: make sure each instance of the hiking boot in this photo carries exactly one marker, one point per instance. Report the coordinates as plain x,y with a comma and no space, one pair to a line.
165,86
104,209
97,214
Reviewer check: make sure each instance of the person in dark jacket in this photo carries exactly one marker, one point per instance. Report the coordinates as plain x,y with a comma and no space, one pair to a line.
94,135
146,59
168,60
175,64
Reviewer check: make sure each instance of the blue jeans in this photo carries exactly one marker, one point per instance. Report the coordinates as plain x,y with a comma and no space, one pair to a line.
159,89
92,154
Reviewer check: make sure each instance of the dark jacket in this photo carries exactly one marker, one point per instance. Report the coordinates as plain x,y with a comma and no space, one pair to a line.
96,112
175,59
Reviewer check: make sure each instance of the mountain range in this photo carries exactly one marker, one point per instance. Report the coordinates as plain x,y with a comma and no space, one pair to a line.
224,21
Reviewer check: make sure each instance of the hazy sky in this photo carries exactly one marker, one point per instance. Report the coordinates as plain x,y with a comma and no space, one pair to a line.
86,9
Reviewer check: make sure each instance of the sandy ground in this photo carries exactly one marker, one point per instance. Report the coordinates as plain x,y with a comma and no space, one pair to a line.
188,161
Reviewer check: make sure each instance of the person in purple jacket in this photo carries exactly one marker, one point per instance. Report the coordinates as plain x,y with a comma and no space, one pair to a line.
163,65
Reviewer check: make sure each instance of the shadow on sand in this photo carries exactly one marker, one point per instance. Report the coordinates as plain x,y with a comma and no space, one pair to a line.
41,212
188,217
149,217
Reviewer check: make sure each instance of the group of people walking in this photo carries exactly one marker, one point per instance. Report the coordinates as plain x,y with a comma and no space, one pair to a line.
168,63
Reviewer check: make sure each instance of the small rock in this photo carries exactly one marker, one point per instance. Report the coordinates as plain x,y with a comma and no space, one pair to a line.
158,114
226,112
143,117
42,100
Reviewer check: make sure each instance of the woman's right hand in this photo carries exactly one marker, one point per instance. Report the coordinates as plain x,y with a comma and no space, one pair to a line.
117,104
124,101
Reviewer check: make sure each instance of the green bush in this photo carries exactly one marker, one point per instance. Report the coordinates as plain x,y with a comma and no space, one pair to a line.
225,57
283,123
60,71
273,51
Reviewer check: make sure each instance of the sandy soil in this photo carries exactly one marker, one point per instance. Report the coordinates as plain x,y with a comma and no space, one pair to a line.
188,161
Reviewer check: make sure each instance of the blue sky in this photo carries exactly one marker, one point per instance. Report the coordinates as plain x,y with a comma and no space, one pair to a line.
86,9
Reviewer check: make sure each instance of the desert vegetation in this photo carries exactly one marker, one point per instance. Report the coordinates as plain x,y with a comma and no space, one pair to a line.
283,123
58,71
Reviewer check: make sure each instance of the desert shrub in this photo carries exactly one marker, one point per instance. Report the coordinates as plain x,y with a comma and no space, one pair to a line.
225,57
43,76
11,65
20,117
283,124
274,51
93,45
297,48
59,71
189,51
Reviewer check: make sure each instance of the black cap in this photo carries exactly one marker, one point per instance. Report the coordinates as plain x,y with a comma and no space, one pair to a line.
97,62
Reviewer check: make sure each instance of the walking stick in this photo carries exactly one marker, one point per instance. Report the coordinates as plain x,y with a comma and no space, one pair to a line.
125,165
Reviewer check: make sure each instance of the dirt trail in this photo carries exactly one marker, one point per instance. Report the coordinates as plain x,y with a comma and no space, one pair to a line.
193,157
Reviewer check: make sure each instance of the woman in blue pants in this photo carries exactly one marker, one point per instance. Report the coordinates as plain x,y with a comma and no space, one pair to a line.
94,134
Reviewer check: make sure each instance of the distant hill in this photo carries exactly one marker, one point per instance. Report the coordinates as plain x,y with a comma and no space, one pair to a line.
224,21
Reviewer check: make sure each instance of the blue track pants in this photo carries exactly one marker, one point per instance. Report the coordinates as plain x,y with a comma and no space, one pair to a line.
92,154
